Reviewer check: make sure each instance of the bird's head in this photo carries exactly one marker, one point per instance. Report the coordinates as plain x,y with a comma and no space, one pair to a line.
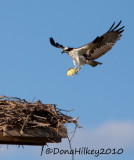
66,50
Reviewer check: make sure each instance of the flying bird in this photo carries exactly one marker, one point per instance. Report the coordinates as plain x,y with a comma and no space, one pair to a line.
93,50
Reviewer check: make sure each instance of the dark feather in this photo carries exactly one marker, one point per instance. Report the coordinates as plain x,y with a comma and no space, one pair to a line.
98,39
116,26
111,27
93,63
55,44
104,43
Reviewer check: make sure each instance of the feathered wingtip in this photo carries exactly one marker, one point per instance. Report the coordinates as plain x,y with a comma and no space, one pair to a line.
52,41
120,30
55,44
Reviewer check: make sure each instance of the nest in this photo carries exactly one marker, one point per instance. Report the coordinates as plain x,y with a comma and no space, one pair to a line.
18,112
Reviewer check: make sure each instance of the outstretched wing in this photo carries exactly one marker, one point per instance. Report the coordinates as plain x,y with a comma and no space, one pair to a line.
104,43
56,44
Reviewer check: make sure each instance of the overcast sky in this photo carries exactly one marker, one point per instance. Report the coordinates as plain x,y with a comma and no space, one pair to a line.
102,97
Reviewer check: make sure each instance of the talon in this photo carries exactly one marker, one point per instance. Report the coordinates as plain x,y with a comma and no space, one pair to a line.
76,71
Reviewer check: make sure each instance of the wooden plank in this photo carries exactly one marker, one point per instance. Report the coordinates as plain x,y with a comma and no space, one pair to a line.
35,132
33,136
28,140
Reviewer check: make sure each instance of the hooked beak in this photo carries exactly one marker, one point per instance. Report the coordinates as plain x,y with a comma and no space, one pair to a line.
62,52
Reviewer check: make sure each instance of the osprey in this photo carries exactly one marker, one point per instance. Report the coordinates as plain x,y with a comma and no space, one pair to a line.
93,50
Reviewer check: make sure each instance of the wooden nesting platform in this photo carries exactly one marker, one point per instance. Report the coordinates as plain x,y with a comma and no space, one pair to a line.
36,136
31,123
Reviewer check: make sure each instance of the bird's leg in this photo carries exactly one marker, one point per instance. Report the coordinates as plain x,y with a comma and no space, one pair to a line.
75,69
75,64
79,68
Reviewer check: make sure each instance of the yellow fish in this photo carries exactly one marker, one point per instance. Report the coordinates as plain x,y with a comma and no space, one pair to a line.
71,71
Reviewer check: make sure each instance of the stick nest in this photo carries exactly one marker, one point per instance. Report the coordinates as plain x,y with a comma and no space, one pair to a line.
20,113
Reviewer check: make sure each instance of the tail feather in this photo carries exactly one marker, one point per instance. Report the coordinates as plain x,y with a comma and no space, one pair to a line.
92,63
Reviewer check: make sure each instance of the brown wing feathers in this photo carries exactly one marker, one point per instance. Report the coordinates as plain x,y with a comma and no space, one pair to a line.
104,43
